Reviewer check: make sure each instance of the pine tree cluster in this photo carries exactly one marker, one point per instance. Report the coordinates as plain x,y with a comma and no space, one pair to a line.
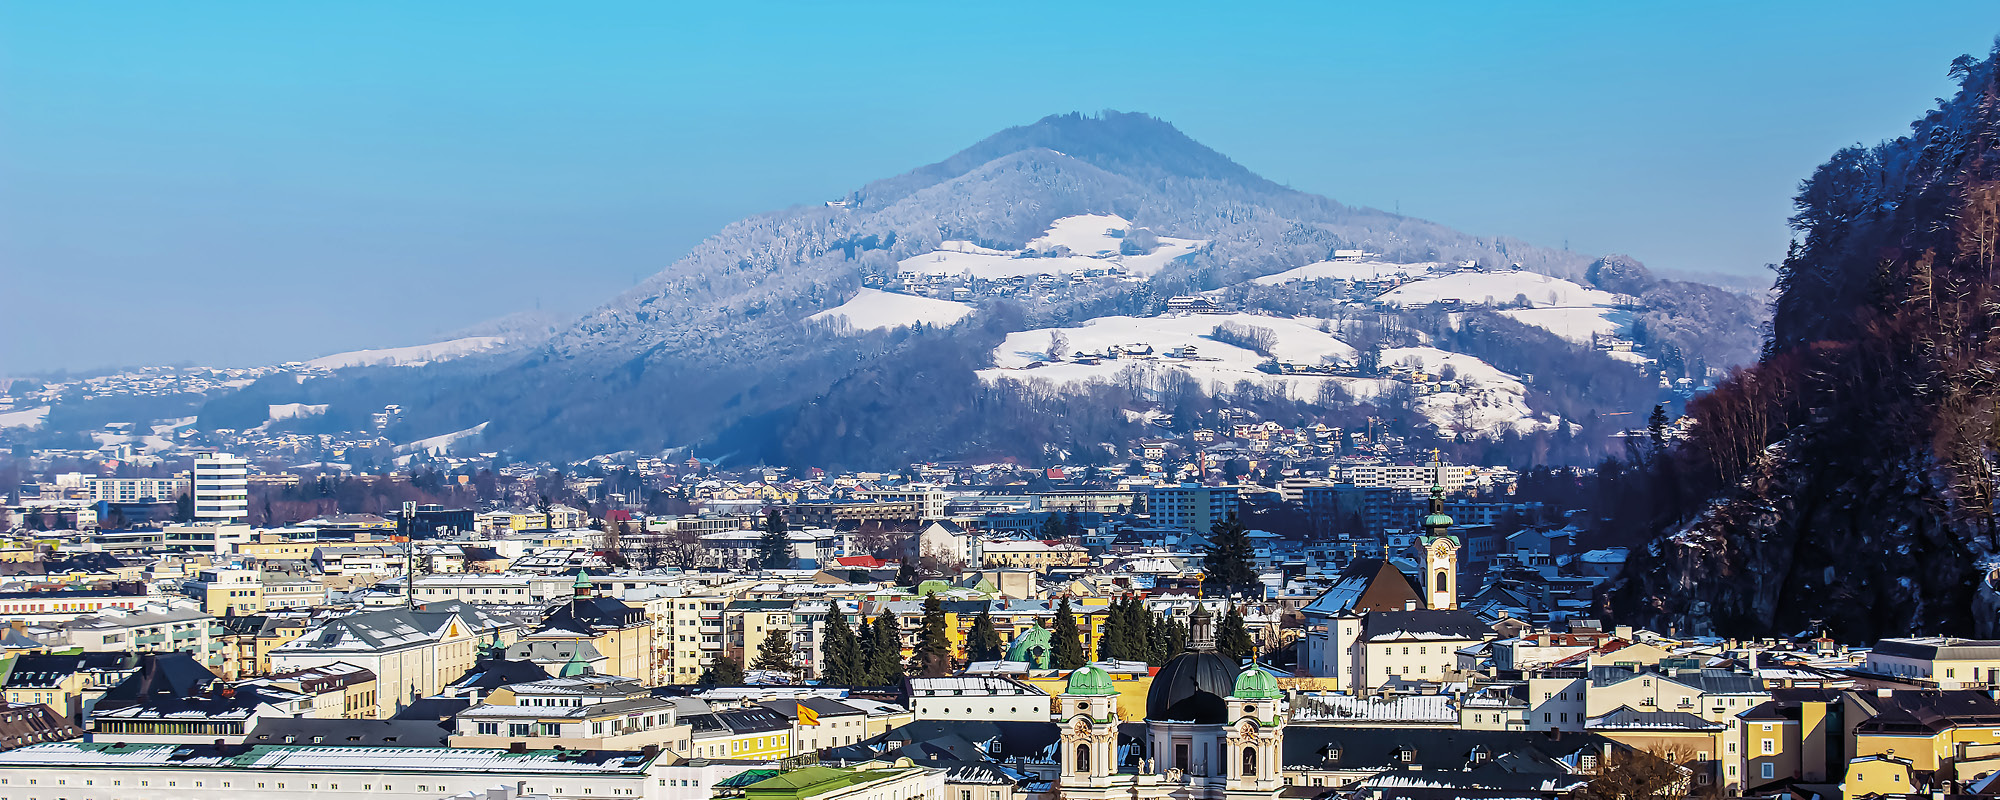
1134,633
872,657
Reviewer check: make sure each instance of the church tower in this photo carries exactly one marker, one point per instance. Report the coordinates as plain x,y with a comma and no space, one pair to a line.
1087,714
1440,555
1256,738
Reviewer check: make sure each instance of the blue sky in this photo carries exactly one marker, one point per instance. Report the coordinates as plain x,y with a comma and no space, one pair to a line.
242,183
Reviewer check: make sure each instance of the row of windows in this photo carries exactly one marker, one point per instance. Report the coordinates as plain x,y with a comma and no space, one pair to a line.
334,787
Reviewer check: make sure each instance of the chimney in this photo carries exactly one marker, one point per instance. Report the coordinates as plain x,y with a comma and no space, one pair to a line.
517,747
650,750
1409,605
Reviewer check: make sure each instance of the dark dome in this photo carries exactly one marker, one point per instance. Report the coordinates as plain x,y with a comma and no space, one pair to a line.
1190,688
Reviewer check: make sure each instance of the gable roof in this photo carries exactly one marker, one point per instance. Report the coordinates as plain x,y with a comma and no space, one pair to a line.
1424,624
1367,584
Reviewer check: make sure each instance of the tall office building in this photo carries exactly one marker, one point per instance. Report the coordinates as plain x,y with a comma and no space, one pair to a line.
221,489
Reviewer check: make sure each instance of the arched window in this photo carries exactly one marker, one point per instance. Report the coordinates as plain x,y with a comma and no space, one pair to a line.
1441,584
1083,758
1249,762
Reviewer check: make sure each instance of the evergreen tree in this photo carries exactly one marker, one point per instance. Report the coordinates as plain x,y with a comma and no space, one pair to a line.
1065,640
906,574
984,643
883,651
1127,632
1226,570
865,649
1111,644
932,657
1052,527
839,651
1656,431
773,550
724,671
1169,638
775,654
1232,638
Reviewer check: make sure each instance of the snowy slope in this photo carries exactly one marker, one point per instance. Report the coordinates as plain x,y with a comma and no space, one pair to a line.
874,309
24,418
413,356
1575,324
1473,288
1490,402
1085,236
441,442
286,411
1218,366
1349,271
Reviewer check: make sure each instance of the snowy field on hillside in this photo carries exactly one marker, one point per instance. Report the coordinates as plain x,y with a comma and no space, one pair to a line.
24,418
1349,271
1575,324
412,356
1491,401
1084,235
1472,288
874,309
437,444
1087,236
285,411
1217,365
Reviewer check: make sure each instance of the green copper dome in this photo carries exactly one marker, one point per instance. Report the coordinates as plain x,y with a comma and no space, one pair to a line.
582,580
1256,684
1089,681
1437,521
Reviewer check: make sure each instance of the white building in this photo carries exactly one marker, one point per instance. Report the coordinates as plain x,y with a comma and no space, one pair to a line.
78,770
221,489
987,697
930,501
133,490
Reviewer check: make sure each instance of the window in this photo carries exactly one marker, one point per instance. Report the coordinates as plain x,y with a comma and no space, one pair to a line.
1770,770
1770,746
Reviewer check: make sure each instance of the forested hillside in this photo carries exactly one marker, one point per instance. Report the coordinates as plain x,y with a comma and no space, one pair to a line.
1847,478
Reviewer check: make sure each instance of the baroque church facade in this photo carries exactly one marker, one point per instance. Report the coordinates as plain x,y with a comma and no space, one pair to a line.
1213,731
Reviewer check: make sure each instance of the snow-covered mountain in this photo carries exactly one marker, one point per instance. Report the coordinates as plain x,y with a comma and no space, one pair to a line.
889,324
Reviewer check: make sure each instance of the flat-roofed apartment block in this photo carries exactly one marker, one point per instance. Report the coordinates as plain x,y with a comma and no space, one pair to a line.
134,490
221,485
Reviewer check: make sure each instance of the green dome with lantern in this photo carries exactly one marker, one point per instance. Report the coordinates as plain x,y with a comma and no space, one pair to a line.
1088,680
1257,684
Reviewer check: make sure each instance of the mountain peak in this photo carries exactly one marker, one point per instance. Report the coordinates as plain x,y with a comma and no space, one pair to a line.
1134,145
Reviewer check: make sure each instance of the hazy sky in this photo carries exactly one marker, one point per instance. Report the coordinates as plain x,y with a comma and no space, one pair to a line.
242,183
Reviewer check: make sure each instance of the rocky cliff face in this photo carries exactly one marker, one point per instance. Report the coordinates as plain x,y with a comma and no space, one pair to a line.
1848,477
